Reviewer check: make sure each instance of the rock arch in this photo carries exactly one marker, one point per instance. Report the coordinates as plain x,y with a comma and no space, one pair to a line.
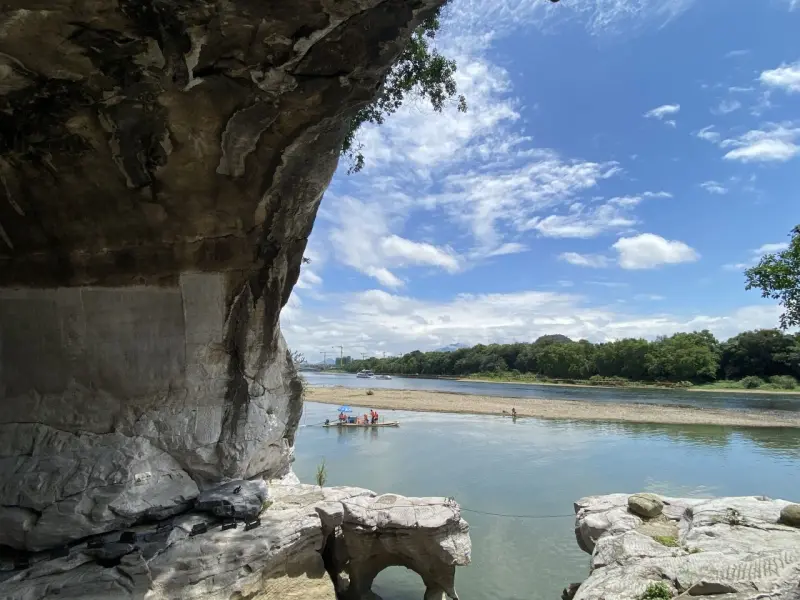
426,535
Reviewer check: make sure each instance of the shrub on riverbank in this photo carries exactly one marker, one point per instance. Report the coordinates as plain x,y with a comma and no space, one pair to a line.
784,382
752,382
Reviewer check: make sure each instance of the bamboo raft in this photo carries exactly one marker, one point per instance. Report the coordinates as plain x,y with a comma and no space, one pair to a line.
387,424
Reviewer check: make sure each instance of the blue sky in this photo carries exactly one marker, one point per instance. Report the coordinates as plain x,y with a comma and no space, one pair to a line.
621,163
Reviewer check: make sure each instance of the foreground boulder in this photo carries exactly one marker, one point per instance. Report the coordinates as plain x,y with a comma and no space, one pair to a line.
645,505
732,546
306,542
790,515
161,166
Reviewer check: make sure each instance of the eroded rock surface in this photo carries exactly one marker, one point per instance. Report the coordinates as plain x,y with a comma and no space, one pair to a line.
161,166
731,546
307,538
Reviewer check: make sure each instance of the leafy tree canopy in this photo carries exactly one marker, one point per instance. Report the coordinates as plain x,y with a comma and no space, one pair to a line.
420,71
778,277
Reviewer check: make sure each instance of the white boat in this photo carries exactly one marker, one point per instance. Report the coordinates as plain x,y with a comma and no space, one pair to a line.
365,374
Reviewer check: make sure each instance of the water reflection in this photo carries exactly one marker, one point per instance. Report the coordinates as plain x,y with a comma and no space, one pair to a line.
534,467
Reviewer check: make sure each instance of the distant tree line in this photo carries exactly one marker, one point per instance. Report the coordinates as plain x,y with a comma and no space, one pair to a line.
755,357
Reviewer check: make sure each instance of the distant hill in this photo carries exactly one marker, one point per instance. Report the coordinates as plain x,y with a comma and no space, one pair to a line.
452,347
552,339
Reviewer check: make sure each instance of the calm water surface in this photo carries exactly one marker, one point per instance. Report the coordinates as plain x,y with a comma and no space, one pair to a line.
535,467
722,399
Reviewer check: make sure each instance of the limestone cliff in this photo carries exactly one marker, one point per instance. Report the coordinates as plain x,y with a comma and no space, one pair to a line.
162,162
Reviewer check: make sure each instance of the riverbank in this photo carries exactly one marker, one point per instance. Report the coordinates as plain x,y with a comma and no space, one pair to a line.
635,385
450,402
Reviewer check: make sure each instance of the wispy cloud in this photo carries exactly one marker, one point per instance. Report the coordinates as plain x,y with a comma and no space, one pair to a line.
599,17
708,134
587,221
596,261
727,106
714,187
770,248
785,77
647,251
755,256
774,143
737,53
665,110
361,238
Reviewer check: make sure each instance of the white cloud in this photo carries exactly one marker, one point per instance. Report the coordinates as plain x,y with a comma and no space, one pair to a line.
770,248
774,143
595,261
755,255
308,279
360,238
590,221
406,252
508,248
708,134
653,297
736,266
600,17
767,150
647,251
375,321
737,53
727,106
785,77
740,90
714,187
384,276
662,111
507,195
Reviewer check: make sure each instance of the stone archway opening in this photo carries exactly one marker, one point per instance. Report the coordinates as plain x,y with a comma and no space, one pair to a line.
398,583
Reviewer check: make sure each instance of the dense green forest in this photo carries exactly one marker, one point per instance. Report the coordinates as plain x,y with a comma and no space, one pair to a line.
763,358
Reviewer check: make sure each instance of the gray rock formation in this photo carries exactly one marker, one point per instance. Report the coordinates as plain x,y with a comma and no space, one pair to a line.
731,546
307,537
790,515
236,499
162,163
645,505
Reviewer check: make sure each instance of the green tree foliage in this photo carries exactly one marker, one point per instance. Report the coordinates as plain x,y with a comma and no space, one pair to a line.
684,357
763,353
778,277
698,357
420,71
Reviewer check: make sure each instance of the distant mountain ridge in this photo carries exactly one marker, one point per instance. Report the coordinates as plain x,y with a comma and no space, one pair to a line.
452,347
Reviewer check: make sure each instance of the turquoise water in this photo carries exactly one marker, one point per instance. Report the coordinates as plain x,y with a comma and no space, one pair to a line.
535,467
721,399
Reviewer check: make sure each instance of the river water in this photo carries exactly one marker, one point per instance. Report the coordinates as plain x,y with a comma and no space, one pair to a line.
721,399
537,468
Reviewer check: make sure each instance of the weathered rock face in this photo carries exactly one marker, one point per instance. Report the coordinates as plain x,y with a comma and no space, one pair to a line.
302,539
162,162
731,546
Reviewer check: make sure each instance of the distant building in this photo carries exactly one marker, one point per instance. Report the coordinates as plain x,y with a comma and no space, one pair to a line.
344,360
